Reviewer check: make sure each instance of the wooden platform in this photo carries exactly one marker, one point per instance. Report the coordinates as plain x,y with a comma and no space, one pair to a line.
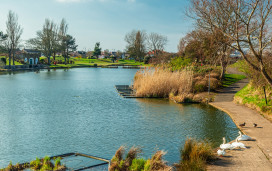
125,91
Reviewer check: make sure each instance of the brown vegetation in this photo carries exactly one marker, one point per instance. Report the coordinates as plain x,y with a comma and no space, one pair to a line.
195,155
132,162
180,86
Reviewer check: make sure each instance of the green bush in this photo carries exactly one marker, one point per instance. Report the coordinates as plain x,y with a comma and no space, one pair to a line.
137,164
180,63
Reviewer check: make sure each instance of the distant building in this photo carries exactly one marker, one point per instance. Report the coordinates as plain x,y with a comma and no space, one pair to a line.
30,56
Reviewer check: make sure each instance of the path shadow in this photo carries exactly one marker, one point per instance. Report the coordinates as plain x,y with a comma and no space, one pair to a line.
222,162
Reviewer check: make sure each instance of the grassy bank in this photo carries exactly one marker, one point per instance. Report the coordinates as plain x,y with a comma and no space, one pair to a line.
79,62
254,98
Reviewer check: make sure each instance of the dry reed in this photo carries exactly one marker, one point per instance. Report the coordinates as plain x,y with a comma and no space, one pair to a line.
195,155
161,82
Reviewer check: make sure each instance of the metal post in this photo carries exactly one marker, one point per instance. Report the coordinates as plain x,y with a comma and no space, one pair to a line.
265,95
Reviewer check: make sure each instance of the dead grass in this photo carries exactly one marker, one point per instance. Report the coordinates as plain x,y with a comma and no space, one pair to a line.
195,155
160,82
180,86
157,163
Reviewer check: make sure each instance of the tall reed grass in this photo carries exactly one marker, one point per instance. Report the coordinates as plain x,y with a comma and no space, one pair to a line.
195,155
159,82
132,163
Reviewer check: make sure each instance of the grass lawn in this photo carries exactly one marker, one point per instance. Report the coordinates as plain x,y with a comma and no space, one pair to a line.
99,62
232,78
255,98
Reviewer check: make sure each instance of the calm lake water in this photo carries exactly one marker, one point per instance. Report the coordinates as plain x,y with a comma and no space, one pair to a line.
79,110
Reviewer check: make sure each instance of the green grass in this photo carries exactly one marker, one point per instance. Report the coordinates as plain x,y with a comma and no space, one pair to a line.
78,62
241,65
255,98
232,78
90,62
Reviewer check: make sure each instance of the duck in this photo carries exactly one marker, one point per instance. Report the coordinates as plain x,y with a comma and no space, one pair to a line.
221,152
255,125
225,146
243,124
237,144
243,137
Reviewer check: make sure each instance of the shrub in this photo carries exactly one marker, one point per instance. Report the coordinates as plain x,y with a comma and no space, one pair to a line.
195,155
36,164
137,165
146,59
131,162
180,63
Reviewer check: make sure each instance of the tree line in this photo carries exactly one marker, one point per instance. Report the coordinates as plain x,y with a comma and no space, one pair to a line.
223,27
139,43
51,39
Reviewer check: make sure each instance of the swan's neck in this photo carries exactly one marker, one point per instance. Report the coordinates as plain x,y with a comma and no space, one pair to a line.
224,141
240,134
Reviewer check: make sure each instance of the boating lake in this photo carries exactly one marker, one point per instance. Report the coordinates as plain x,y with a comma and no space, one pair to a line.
79,110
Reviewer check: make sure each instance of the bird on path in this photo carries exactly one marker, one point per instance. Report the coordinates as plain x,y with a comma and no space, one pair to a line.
237,144
243,124
221,152
225,146
255,125
243,137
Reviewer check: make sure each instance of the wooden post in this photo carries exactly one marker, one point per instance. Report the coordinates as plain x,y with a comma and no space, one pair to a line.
265,95
209,83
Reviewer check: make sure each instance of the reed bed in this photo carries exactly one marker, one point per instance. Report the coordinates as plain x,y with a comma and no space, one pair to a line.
195,155
161,82
132,163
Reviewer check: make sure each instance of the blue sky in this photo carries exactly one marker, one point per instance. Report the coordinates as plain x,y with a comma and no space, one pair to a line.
104,21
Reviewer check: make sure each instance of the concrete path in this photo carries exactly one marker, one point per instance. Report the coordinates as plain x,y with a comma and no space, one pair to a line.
258,155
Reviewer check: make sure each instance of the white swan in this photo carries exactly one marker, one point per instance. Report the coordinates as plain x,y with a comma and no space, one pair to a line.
243,137
221,152
237,144
225,146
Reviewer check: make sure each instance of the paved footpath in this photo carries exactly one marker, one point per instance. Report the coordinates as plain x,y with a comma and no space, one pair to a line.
258,155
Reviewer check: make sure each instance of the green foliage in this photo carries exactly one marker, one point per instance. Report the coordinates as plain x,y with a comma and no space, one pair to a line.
36,164
97,50
232,78
138,164
146,59
242,66
57,161
147,165
180,63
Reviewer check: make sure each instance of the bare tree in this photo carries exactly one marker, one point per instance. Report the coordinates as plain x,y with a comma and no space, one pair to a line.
136,41
63,38
46,39
14,32
156,43
245,23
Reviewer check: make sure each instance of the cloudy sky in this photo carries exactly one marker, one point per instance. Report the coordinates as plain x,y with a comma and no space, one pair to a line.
104,21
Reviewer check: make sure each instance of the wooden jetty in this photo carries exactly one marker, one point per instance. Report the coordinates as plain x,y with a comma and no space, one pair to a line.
131,67
126,91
